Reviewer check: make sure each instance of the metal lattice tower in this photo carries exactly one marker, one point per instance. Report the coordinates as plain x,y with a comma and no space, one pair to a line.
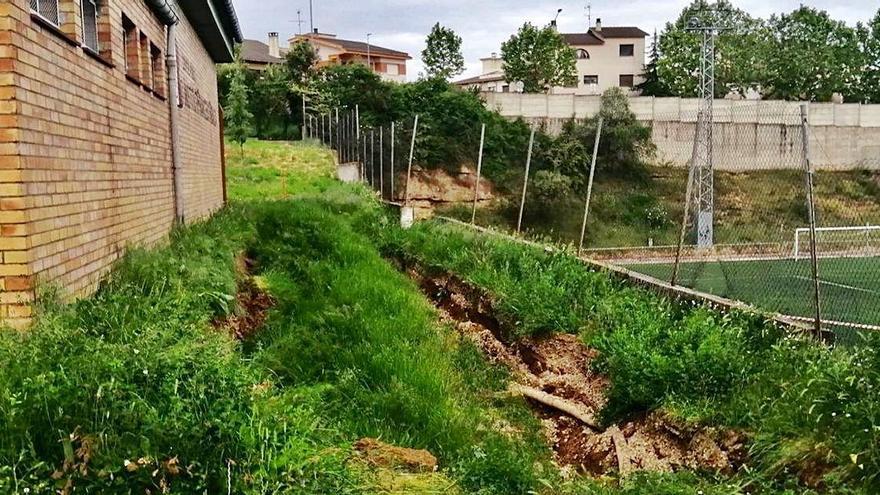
703,160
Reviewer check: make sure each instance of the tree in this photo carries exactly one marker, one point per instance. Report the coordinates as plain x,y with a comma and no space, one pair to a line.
442,54
652,84
813,56
871,76
539,58
350,85
740,52
300,61
270,104
238,116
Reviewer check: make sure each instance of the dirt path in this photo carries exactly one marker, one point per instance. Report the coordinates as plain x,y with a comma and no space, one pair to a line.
560,365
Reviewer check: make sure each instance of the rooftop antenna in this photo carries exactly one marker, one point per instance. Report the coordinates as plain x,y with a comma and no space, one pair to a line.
311,18
703,200
588,9
299,21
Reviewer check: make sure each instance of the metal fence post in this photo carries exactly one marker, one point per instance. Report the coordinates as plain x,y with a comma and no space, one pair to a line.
338,135
412,148
688,198
479,171
392,161
373,157
522,203
303,130
381,164
367,179
811,209
590,183
357,130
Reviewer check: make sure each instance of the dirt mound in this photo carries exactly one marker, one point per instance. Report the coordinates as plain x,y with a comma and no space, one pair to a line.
556,376
433,187
380,454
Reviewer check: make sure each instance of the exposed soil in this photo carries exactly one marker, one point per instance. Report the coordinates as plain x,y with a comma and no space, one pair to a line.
252,304
561,365
380,454
431,188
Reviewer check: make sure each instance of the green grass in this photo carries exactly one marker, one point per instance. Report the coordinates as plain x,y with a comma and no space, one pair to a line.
849,288
808,409
133,389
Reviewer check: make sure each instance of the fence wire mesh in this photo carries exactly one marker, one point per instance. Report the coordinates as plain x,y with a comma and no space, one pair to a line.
770,166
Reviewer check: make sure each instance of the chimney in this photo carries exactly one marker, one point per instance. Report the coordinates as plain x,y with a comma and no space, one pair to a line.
553,24
274,48
598,27
315,30
494,54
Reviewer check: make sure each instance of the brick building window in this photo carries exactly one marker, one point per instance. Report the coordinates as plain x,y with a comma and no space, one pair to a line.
131,46
146,63
626,81
158,67
627,50
47,9
90,12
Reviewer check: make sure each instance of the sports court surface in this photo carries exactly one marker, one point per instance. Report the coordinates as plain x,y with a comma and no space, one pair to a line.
849,287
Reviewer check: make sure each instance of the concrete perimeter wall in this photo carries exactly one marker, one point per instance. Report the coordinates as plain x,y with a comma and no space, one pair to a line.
749,134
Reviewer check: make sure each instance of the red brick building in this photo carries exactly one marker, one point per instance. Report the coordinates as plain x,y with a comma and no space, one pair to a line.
110,131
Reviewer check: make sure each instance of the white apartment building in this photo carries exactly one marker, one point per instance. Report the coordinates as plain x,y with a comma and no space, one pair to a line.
607,57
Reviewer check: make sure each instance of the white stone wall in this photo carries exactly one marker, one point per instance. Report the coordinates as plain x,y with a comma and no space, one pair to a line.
749,135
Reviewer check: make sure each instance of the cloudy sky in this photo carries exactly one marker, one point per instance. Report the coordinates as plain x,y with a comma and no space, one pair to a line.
484,24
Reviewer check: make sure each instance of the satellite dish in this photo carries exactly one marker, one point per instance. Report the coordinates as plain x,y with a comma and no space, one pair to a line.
519,86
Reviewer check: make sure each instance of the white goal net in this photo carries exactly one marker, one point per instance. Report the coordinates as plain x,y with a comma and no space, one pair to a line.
839,241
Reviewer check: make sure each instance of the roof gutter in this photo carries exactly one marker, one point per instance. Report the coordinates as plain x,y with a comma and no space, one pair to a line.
166,10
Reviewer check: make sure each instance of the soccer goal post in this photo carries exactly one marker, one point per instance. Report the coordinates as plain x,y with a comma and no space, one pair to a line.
861,240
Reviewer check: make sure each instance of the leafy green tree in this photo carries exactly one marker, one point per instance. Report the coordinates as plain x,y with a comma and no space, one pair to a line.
442,54
300,61
238,115
350,85
652,84
813,56
871,76
539,58
270,104
740,52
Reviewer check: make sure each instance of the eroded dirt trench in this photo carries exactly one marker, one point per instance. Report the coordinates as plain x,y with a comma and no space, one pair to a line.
555,374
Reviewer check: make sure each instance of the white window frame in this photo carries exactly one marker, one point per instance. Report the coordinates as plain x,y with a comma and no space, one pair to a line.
38,7
97,9
591,83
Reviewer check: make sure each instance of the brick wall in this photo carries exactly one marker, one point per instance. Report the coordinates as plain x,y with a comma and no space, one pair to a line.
85,153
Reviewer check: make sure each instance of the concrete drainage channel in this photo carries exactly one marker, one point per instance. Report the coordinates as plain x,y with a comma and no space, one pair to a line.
555,375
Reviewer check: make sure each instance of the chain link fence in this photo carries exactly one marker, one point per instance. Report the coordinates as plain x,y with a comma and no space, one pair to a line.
758,205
